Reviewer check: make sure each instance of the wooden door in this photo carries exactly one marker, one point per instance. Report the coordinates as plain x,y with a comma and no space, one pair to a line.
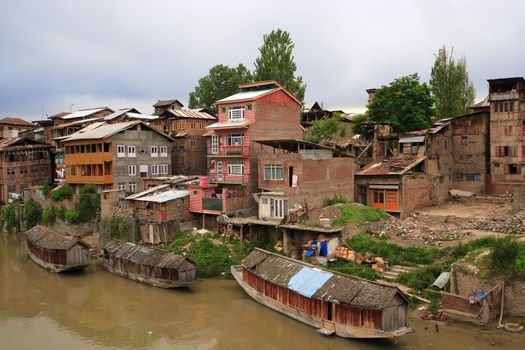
391,200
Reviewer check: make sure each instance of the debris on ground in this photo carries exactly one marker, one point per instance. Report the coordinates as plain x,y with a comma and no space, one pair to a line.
514,224
412,229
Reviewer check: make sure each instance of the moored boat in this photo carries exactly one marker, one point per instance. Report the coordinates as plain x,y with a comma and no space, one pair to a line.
56,252
332,302
149,265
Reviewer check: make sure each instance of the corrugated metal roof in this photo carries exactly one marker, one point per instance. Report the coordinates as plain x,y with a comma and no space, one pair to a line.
83,113
397,166
92,132
308,280
117,114
442,280
197,113
248,95
141,116
230,124
412,139
46,238
162,196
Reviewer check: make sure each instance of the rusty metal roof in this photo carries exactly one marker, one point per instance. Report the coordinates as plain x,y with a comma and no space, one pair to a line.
47,238
339,288
16,121
187,113
21,142
397,166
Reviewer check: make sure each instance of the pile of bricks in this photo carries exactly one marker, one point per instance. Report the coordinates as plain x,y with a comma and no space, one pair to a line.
411,229
513,225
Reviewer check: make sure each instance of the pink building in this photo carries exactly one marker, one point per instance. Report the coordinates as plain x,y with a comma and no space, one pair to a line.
260,111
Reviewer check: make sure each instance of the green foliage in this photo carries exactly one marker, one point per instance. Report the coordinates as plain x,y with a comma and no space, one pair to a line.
212,260
325,129
49,216
420,278
353,213
10,215
354,269
335,200
451,88
45,188
221,81
405,103
357,121
32,215
461,250
72,216
63,192
276,62
507,258
62,213
395,254
88,203
116,227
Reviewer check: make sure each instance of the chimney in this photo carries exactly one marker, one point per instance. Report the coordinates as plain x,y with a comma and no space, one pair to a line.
371,93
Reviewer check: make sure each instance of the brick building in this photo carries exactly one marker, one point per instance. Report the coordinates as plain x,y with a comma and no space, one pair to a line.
260,111
507,133
117,156
24,162
10,127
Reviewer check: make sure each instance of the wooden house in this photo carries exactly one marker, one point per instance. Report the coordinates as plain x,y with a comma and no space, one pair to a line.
56,252
332,302
148,265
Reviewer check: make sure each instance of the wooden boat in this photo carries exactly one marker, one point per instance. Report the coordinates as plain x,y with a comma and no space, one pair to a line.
148,265
56,252
332,302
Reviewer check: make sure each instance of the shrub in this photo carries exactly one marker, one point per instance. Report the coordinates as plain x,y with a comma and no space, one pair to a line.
45,188
72,216
420,278
116,227
211,259
32,213
334,200
10,215
61,193
62,213
354,269
49,215
88,203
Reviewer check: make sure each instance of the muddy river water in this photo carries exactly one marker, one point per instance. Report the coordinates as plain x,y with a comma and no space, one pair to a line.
97,310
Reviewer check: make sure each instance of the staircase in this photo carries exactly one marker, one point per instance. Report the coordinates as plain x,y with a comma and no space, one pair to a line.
328,328
393,271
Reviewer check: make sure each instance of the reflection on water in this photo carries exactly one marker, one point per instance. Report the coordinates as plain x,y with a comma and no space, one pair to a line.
94,309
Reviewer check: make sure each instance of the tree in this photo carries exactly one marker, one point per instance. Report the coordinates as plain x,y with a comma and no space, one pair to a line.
325,129
405,103
88,203
451,88
32,213
221,81
63,192
276,62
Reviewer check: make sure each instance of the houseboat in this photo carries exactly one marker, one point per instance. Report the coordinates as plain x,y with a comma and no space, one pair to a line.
148,265
56,252
332,302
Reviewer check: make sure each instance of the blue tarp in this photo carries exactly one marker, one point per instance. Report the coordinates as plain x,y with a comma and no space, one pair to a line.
307,281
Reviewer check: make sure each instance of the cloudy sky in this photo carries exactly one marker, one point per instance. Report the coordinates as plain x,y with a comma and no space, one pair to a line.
57,55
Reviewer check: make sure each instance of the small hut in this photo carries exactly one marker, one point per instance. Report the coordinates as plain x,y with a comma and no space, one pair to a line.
348,306
56,252
149,265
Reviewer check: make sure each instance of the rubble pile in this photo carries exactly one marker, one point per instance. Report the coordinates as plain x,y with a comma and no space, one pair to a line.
411,229
513,225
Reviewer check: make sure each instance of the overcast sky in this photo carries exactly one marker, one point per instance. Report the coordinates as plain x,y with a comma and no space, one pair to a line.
59,55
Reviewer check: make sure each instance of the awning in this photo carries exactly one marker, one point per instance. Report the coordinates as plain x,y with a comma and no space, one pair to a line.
237,124
308,280
384,187
413,139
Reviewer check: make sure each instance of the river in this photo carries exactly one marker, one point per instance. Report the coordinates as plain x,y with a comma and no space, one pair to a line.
98,310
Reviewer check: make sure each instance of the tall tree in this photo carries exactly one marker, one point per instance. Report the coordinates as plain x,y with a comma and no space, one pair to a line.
221,81
405,102
276,62
450,85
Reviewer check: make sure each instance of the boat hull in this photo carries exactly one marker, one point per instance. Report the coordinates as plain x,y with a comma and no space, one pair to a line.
342,330
56,267
156,282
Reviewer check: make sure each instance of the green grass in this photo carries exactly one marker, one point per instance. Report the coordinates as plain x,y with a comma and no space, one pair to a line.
354,269
353,213
420,278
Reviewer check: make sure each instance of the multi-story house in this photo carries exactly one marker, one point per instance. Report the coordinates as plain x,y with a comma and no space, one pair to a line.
24,162
117,156
260,111
11,127
301,173
507,133
162,106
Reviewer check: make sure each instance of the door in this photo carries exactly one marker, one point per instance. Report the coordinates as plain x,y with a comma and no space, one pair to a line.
330,308
378,199
219,171
214,143
391,200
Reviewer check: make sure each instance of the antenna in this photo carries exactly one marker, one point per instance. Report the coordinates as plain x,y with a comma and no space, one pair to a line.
43,112
71,107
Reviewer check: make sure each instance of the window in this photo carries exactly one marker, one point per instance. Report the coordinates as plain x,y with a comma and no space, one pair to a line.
154,151
235,168
163,169
133,187
236,112
513,169
473,177
143,170
121,186
121,151
511,106
264,201
278,208
132,151
273,172
154,169
163,151
132,170
249,107
464,140
235,139
214,143
223,109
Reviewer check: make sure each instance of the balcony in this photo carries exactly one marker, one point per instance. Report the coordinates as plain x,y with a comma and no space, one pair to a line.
228,178
214,204
229,151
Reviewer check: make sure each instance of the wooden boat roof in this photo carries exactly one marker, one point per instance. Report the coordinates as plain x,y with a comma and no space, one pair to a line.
145,255
336,287
46,238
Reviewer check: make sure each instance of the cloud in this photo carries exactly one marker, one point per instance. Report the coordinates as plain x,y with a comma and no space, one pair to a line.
125,53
